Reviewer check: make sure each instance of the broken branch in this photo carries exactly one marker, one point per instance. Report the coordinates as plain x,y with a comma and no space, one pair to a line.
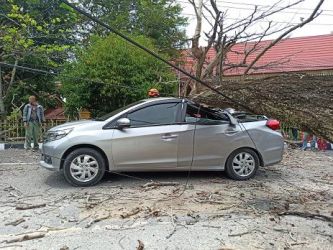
131,213
15,222
159,184
308,215
30,206
25,237
98,219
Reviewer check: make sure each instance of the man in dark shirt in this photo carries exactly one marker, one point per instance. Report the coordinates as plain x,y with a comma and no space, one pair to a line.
33,117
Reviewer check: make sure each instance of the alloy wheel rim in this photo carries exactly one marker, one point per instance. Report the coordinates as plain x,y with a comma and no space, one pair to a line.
84,168
243,164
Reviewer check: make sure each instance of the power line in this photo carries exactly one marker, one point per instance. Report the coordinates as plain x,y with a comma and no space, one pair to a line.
282,11
260,5
42,67
58,69
96,20
262,20
251,4
44,72
40,71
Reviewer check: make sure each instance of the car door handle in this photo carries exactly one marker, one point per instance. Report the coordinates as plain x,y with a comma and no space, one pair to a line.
168,137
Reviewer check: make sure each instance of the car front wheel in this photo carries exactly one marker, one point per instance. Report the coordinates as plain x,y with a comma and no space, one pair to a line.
242,164
84,167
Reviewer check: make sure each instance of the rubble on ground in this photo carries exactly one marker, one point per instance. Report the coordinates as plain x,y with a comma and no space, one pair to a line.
288,205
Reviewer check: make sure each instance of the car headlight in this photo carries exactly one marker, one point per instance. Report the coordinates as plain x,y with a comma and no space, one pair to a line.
57,134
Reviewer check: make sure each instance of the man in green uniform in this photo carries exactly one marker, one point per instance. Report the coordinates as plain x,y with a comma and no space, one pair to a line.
33,117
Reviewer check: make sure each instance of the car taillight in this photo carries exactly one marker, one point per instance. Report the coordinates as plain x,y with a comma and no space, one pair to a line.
273,124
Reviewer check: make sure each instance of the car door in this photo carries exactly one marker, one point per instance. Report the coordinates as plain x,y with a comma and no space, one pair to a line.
151,142
213,136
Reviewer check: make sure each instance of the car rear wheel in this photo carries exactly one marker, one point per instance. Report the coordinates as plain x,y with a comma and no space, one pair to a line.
242,164
84,167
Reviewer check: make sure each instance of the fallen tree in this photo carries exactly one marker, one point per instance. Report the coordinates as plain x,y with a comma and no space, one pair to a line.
299,100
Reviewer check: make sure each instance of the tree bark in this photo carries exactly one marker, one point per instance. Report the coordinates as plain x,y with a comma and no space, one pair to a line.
12,78
301,101
2,104
197,51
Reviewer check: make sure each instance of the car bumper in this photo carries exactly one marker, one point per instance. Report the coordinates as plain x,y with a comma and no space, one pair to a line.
50,162
51,156
273,155
47,166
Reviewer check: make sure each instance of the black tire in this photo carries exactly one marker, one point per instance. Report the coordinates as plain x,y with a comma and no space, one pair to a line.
81,152
232,173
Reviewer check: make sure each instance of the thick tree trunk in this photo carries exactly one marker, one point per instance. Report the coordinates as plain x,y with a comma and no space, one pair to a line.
197,51
299,100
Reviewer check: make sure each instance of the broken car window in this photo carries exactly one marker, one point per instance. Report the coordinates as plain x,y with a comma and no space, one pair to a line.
203,115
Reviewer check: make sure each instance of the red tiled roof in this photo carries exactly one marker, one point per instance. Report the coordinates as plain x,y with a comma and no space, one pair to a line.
55,114
290,55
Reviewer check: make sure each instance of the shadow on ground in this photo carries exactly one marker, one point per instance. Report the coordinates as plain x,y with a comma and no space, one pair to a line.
130,179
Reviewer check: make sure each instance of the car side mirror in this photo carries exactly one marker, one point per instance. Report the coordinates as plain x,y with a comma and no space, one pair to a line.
232,120
123,123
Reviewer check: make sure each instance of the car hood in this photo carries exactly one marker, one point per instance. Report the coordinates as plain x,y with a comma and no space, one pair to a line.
75,124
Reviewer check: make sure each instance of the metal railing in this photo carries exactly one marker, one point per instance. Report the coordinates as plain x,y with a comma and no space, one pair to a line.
14,131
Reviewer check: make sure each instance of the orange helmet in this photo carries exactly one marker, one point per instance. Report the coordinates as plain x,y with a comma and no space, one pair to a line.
153,93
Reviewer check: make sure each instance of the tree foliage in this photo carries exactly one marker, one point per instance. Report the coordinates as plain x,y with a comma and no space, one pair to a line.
160,20
26,32
111,73
35,33
298,100
42,34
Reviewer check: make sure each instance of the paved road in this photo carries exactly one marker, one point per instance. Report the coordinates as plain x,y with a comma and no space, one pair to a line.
212,213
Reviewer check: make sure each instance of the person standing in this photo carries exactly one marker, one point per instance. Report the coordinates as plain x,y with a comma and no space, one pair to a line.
305,140
313,143
322,144
294,132
306,137
33,117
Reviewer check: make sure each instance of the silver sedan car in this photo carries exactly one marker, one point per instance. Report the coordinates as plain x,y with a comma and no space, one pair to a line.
161,134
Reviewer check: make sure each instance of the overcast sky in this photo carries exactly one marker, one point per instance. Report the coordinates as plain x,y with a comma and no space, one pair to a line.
239,8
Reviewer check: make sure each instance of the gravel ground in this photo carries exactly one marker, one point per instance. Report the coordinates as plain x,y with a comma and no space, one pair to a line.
286,206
